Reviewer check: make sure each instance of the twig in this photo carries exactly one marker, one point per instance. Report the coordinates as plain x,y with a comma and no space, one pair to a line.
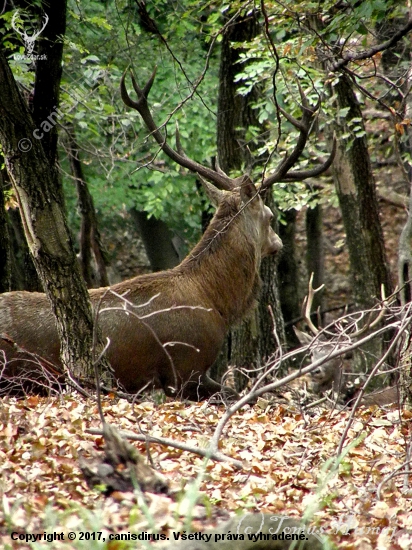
404,324
206,453
366,54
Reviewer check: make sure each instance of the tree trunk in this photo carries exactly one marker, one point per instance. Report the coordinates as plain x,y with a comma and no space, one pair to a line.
89,240
251,343
315,257
35,178
5,249
23,272
270,296
234,111
396,63
288,276
356,192
157,240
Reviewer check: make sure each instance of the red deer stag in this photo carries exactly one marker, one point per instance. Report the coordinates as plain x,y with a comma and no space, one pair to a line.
187,310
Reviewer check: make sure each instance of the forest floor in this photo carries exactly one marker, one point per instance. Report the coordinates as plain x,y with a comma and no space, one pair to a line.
360,503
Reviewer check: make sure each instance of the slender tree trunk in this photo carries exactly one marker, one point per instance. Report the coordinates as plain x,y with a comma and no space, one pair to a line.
315,257
288,276
271,323
89,239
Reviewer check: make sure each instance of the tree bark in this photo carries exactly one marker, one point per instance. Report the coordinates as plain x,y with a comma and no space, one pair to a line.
23,272
355,187
288,276
396,63
251,343
89,239
35,178
315,257
5,249
157,240
234,111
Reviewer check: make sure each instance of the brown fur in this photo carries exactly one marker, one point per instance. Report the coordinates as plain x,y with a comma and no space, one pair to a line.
216,284
331,375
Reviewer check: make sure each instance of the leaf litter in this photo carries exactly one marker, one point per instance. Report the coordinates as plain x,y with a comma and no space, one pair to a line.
285,455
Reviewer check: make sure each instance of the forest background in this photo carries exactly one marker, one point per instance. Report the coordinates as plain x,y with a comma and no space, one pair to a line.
351,57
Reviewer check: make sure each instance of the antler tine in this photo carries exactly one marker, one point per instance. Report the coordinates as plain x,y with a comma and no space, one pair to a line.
221,181
307,305
148,86
304,126
300,175
218,167
294,121
371,324
304,99
308,112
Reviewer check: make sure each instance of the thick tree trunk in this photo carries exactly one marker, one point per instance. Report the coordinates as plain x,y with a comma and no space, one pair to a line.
251,343
18,262
23,272
157,240
396,63
35,178
356,192
234,112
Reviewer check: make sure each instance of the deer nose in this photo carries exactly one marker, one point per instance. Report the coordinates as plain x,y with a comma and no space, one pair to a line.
275,244
317,373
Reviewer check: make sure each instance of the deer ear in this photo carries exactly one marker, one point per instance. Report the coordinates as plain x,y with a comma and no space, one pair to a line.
214,194
304,338
247,188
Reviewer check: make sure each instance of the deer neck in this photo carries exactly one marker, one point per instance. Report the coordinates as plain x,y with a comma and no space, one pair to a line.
224,266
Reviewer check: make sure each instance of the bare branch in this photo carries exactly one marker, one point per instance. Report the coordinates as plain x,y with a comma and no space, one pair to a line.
366,54
206,453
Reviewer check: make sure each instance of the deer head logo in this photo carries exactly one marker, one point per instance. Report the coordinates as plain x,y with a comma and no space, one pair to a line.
28,39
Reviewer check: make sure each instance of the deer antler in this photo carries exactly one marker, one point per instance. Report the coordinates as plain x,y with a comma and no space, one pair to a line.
220,179
304,126
371,324
307,305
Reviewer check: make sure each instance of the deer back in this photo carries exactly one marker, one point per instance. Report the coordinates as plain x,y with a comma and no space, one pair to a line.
169,327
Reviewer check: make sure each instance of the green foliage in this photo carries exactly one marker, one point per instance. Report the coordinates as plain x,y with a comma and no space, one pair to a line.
303,37
123,165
